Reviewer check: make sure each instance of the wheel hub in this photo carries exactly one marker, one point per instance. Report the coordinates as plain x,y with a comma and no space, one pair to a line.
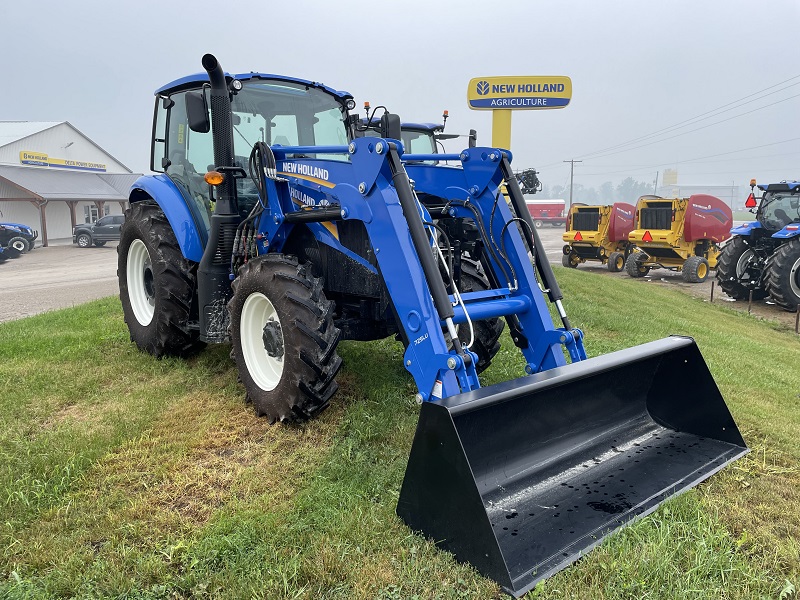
273,339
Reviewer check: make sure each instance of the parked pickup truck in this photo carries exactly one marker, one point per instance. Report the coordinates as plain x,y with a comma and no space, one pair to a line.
98,233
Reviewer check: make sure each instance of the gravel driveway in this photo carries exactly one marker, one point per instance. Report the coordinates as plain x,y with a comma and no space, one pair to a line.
56,277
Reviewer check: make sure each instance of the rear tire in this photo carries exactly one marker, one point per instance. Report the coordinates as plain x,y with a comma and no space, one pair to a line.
20,244
783,275
156,283
538,224
284,338
616,262
695,269
99,244
634,267
732,270
487,332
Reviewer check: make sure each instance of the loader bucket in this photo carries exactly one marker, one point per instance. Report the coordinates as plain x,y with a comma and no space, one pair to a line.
522,478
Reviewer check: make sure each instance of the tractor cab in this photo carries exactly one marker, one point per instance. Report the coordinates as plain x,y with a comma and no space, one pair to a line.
265,108
779,206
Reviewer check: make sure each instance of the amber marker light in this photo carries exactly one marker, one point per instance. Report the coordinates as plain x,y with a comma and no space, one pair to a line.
214,178
752,183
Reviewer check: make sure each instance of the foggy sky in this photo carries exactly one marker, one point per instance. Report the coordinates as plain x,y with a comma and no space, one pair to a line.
637,67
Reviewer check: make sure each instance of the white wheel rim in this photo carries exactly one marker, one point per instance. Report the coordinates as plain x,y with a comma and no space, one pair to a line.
264,369
742,263
18,245
141,293
83,241
794,276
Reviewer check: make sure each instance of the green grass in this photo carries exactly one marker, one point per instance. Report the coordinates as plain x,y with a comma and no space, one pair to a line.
122,476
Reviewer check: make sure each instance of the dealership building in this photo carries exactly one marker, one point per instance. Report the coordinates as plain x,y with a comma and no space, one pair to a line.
53,177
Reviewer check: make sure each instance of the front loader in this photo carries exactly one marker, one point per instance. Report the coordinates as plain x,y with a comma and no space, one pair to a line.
598,233
679,234
301,235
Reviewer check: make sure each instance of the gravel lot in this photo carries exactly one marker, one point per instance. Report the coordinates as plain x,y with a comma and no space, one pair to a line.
55,277
64,275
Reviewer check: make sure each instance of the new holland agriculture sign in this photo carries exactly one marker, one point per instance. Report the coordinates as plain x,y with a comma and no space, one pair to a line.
515,93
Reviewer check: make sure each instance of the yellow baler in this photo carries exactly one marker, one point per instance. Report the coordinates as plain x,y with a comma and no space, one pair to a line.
680,234
598,233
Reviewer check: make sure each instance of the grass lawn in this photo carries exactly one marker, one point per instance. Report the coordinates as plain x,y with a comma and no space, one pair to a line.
122,476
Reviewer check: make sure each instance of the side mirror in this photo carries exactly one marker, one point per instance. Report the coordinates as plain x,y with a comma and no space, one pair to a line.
197,112
390,126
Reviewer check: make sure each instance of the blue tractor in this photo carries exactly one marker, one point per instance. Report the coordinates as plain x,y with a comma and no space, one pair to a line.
763,256
273,227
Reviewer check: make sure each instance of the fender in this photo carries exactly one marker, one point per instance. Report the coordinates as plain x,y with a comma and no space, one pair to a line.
745,229
792,230
189,228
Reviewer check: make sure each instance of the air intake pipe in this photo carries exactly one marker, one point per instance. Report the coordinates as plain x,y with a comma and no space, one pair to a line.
214,273
222,130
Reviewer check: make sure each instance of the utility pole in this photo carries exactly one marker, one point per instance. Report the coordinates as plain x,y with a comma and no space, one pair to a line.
571,176
655,186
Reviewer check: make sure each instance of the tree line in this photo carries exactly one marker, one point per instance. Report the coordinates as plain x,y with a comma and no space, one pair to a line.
628,190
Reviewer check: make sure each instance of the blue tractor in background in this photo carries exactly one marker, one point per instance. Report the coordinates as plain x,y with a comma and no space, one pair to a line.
763,256
274,227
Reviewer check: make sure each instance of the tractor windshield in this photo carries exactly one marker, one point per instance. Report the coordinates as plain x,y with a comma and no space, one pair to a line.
416,141
289,114
778,209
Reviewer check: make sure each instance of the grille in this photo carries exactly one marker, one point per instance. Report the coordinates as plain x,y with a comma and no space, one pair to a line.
656,218
585,220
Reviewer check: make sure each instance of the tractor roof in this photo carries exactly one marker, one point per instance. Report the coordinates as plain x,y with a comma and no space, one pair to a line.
783,186
429,127
192,81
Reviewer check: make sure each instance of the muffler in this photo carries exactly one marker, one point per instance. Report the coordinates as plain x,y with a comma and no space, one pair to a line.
522,478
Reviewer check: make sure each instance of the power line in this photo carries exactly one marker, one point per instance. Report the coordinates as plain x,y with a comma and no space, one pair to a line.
703,116
635,168
698,129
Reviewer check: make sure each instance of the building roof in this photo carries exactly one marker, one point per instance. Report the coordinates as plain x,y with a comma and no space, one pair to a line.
61,185
12,131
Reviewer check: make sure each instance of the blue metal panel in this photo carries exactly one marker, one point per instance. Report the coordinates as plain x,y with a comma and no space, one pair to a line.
792,230
745,229
370,196
191,237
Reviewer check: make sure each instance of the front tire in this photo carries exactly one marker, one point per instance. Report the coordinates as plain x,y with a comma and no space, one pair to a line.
695,269
487,332
156,284
634,267
84,240
616,262
538,224
783,275
284,338
735,273
570,260
20,244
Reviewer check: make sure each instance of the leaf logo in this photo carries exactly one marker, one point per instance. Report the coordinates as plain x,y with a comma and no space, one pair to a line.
483,88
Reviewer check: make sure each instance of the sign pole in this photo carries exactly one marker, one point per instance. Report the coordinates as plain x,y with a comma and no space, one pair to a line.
501,129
